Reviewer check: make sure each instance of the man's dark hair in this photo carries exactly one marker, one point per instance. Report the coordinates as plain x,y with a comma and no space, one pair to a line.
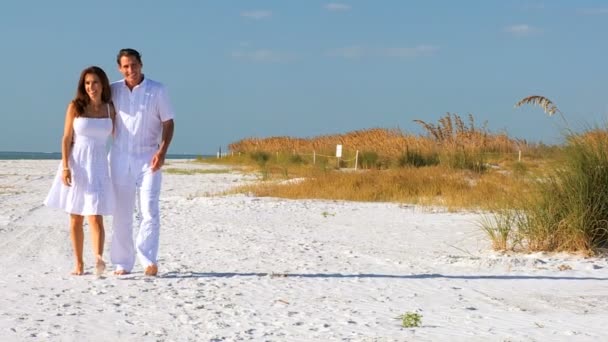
128,53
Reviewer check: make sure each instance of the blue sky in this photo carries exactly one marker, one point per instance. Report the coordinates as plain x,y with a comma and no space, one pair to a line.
239,69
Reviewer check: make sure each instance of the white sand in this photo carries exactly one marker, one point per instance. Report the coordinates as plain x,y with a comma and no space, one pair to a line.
244,268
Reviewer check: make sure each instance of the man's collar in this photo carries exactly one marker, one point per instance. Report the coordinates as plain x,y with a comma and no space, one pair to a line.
143,80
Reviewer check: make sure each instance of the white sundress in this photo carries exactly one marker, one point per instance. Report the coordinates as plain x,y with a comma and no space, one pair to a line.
91,192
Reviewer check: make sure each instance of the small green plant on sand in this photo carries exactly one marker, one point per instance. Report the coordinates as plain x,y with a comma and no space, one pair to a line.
410,319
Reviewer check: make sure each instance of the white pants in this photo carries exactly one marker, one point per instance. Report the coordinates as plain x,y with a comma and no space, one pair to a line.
137,189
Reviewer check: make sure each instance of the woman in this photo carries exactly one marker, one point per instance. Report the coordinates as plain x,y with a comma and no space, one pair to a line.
82,186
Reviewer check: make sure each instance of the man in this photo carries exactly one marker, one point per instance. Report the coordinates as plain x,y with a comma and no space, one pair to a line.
144,129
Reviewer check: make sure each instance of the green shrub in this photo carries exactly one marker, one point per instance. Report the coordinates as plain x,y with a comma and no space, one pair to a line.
296,159
416,159
260,157
410,319
460,159
368,159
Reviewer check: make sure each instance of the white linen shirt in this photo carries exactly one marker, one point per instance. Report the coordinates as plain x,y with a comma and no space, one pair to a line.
139,116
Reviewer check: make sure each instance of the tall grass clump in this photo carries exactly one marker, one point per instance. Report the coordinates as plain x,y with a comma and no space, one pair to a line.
569,209
463,159
501,228
571,213
417,159
368,159
463,145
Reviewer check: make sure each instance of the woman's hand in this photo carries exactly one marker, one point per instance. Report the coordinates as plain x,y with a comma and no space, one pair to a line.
66,177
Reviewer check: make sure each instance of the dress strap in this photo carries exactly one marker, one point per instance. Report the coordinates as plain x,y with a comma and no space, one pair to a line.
108,107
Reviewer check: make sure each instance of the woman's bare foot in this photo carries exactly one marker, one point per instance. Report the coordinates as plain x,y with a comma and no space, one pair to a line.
100,266
78,270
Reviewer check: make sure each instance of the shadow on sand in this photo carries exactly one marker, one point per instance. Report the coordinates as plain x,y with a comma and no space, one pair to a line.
171,275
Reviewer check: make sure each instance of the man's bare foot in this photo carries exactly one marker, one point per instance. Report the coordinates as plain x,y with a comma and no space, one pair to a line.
151,270
100,266
121,272
78,270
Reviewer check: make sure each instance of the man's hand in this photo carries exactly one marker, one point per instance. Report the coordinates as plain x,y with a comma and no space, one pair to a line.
157,161
159,158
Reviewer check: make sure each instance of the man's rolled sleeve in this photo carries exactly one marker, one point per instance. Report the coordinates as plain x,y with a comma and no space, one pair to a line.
165,109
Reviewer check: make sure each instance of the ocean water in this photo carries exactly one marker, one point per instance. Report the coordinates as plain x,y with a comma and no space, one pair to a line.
8,155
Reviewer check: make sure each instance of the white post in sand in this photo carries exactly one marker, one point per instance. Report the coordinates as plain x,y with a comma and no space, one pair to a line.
314,157
338,154
519,156
356,159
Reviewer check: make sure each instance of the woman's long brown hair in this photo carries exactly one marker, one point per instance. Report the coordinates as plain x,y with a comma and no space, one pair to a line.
82,98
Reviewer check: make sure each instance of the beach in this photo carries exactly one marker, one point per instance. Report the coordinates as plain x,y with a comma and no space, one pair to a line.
239,267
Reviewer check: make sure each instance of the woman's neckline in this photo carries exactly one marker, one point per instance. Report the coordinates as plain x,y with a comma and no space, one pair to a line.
92,117
101,108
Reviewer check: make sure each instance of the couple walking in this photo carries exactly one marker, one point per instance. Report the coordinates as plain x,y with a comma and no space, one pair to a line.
136,112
